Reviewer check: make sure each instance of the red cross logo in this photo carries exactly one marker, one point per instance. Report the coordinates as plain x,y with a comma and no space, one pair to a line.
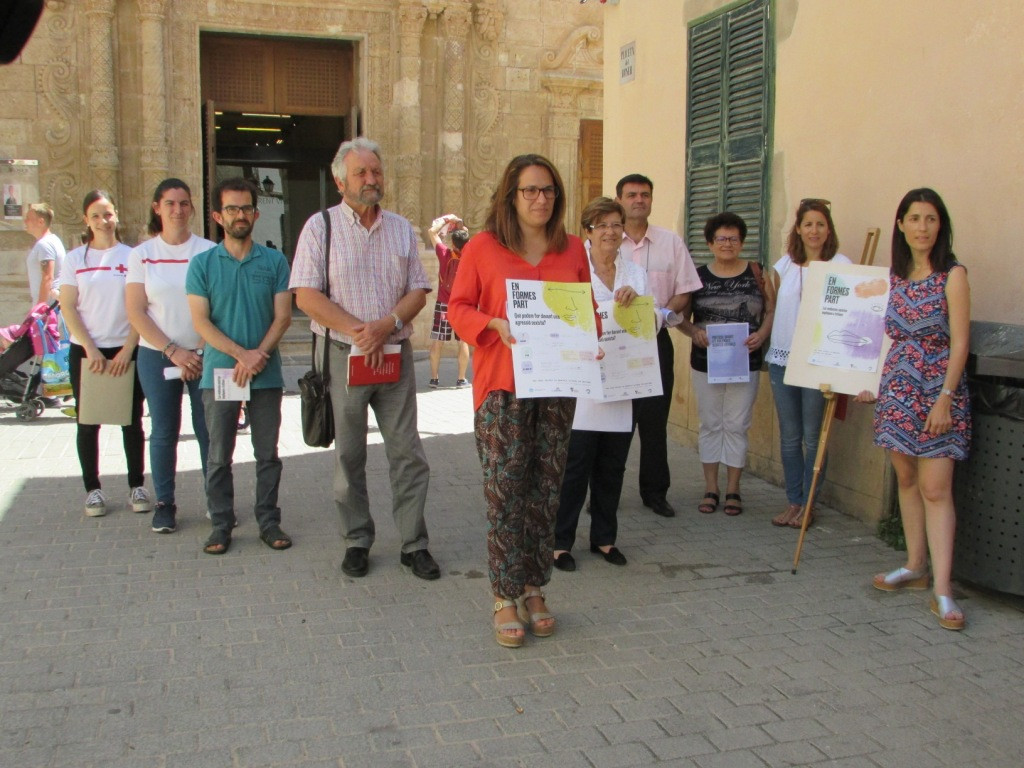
121,268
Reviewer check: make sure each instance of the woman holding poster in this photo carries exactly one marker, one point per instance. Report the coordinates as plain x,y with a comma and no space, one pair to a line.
601,431
522,442
923,414
734,292
813,238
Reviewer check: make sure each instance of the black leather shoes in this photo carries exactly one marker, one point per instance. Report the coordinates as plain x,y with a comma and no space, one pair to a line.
565,562
612,556
356,562
660,506
423,565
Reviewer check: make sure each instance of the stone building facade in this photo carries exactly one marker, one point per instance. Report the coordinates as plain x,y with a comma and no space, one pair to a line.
110,93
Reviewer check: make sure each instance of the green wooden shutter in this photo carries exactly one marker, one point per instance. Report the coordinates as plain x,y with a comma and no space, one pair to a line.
727,124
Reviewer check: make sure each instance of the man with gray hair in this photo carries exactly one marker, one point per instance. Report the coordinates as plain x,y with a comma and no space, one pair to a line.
377,285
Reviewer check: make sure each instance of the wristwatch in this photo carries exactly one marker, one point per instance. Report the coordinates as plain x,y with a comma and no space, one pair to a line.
398,321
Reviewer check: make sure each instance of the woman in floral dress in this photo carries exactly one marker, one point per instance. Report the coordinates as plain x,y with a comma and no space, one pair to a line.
923,415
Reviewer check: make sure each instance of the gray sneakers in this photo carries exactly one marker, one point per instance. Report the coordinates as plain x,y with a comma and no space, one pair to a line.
139,499
95,504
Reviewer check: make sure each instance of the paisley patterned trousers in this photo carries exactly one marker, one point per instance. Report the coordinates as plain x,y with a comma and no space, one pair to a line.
522,444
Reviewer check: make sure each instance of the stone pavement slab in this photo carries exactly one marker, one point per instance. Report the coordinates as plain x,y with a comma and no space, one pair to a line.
123,648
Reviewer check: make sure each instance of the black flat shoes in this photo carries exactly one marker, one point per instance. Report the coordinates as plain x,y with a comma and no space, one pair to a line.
612,556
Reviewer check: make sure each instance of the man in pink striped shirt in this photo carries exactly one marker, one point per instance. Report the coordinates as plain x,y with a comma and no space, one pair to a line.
377,285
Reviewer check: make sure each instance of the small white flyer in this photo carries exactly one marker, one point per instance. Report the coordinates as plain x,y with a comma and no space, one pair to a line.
728,356
224,387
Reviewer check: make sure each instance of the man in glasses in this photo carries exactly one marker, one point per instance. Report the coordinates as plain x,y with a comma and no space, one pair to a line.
673,277
376,286
241,306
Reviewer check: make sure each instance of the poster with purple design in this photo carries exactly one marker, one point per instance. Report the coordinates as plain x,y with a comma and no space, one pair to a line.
840,338
851,322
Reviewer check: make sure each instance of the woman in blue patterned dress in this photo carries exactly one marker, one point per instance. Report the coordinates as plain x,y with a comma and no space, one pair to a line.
923,415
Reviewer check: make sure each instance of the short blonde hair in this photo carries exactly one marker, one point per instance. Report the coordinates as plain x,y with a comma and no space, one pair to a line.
43,211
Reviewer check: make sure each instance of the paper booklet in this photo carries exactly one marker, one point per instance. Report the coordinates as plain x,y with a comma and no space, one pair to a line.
359,373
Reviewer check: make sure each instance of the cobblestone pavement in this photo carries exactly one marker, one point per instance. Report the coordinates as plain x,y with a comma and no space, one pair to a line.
122,648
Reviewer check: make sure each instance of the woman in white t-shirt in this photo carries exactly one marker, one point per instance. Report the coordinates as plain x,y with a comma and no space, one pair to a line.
92,304
813,238
170,349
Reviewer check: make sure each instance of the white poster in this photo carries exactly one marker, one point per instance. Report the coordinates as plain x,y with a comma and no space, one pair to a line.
728,356
555,354
630,367
851,322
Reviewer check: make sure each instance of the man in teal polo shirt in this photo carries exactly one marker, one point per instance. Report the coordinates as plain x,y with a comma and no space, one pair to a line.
241,306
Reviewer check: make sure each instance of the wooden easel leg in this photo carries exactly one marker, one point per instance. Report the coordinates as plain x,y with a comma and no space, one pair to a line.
819,460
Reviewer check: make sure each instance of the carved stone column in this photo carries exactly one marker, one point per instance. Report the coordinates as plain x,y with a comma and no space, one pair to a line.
484,144
411,17
456,24
154,154
101,133
569,74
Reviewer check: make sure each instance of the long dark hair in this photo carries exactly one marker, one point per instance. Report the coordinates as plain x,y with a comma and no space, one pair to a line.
156,226
795,245
90,198
502,221
941,258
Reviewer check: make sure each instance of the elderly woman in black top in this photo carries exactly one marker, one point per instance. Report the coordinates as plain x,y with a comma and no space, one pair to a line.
733,291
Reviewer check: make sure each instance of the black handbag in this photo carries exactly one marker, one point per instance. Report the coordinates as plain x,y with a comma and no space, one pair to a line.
315,385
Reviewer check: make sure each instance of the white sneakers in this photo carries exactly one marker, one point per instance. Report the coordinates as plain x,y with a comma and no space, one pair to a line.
139,499
95,504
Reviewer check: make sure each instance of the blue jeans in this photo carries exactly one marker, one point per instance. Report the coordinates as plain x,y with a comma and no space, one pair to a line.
164,399
264,430
800,411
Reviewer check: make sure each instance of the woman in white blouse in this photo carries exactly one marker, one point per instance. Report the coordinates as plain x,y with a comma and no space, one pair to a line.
813,238
601,432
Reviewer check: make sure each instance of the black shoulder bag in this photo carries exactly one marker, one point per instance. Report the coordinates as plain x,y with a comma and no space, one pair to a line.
315,386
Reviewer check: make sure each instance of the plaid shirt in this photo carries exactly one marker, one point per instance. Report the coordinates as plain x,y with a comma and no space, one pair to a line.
371,270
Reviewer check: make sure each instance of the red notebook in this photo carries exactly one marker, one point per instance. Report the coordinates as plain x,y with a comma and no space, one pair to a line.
359,373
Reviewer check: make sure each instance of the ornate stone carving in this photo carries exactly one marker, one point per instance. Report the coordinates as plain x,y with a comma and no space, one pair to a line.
574,69
489,20
102,113
582,49
56,82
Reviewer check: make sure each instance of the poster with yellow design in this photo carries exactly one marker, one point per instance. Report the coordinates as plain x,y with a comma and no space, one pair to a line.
629,367
555,354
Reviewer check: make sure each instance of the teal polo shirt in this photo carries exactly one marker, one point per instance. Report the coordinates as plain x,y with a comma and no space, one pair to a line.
241,296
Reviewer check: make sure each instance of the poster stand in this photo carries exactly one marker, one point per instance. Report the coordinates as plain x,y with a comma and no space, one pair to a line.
819,459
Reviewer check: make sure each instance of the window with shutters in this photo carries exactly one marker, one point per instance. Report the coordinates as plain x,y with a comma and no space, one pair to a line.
728,122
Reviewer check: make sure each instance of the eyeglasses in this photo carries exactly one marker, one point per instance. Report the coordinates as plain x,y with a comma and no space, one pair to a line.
722,240
605,227
821,200
234,210
530,193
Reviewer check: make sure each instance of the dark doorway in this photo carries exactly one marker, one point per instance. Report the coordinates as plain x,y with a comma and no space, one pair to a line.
275,110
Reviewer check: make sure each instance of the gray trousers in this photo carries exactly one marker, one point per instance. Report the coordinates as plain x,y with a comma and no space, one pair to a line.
264,427
394,407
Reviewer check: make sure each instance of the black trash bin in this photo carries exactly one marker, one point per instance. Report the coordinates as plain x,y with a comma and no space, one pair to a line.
989,487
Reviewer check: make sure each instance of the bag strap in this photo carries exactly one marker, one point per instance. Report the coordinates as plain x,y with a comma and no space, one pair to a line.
325,370
759,276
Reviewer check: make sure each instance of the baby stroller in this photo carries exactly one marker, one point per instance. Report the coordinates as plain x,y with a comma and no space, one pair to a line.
31,340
